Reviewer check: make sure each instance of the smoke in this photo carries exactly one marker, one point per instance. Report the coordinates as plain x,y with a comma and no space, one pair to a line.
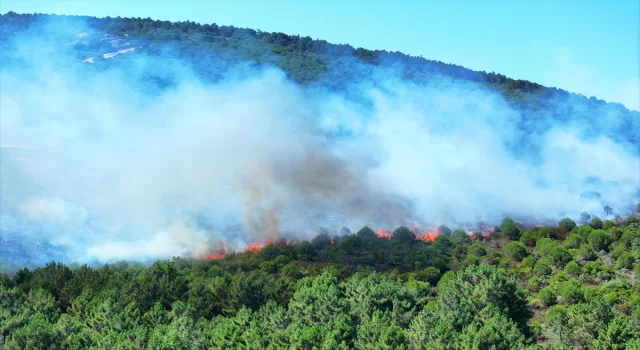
97,161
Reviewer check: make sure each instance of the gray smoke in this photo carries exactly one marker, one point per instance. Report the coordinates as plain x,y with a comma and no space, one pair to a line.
101,165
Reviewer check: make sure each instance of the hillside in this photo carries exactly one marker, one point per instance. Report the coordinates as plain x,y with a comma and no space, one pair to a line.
563,287
305,60
175,185
213,52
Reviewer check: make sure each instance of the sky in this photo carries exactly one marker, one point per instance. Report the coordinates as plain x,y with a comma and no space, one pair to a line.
585,46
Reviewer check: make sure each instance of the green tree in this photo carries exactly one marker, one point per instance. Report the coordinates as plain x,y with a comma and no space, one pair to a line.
493,331
586,252
317,300
529,238
547,296
573,269
585,320
625,261
599,240
461,237
557,327
403,235
570,292
573,241
444,230
566,224
543,267
618,333
511,230
477,286
477,250
515,250
596,223
379,332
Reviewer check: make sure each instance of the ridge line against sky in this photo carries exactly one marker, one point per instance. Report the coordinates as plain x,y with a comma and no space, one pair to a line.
585,46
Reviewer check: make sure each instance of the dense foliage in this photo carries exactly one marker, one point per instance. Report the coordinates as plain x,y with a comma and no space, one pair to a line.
563,287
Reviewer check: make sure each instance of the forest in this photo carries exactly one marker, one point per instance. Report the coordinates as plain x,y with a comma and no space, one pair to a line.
516,287
214,51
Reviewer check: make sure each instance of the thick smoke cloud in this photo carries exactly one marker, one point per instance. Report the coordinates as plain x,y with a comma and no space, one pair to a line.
109,169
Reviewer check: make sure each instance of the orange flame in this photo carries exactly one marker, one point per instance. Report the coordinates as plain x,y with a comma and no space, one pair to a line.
429,236
252,247
426,236
215,256
485,235
255,247
383,234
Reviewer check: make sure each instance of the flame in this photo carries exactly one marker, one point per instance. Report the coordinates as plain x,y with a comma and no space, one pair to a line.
429,236
383,234
215,256
485,235
255,247
426,236
252,248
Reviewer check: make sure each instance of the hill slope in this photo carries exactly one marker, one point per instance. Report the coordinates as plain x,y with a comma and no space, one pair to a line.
133,54
563,287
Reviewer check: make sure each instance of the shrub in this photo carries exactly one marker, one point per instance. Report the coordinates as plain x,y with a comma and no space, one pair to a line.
608,225
573,241
515,250
573,269
471,260
571,292
625,261
506,221
429,274
566,224
630,238
618,250
599,240
547,296
559,256
546,232
511,231
558,278
534,283
477,249
528,262
544,245
582,230
529,238
542,268
461,237
586,252
596,223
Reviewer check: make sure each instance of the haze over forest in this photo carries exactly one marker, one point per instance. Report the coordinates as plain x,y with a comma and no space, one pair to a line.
135,139
175,185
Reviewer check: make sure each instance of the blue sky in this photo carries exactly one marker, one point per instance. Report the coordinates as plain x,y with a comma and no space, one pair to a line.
586,46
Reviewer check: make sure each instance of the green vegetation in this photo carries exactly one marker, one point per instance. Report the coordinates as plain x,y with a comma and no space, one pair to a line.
355,291
551,287
212,51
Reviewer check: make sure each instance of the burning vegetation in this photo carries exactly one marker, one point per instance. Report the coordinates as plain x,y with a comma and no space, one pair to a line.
427,235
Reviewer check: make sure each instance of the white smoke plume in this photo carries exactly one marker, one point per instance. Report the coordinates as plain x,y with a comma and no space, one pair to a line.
96,163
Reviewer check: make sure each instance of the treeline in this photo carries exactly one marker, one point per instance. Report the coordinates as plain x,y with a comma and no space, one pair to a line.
570,286
303,58
212,51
